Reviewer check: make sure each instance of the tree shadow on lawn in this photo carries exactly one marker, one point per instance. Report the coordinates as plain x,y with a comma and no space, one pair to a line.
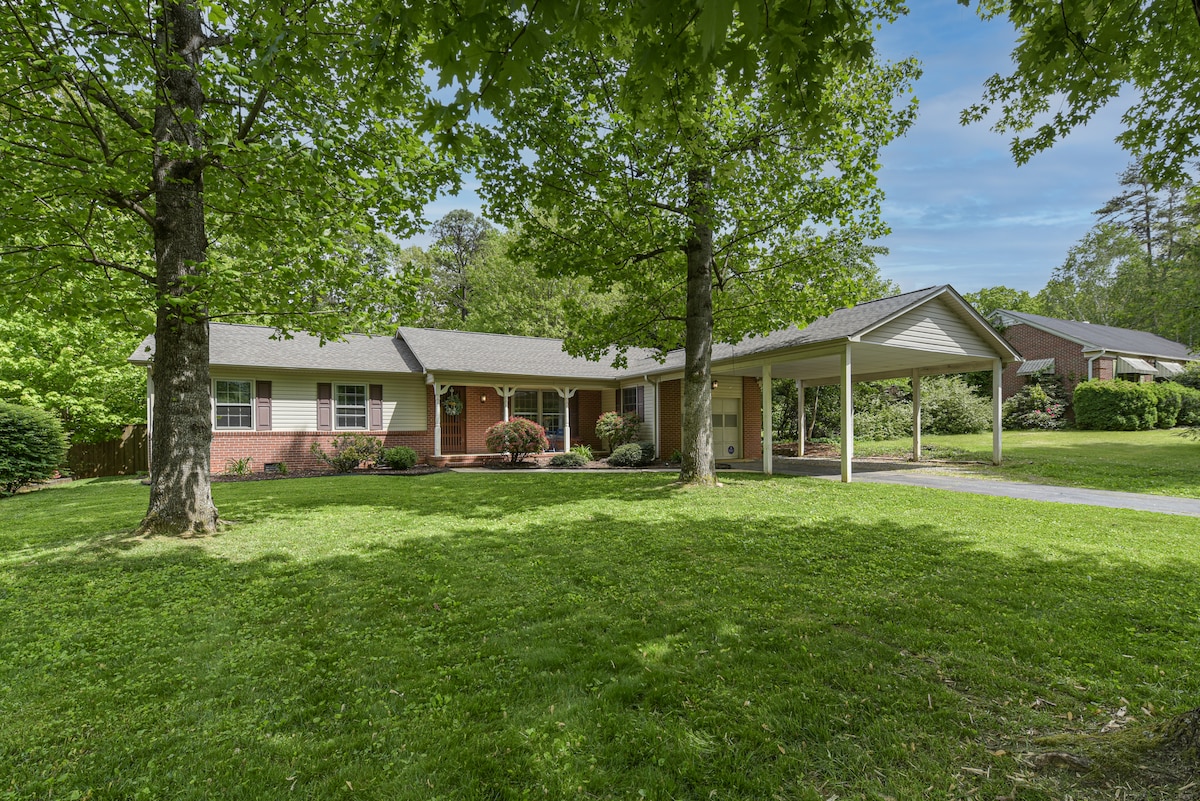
752,657
469,496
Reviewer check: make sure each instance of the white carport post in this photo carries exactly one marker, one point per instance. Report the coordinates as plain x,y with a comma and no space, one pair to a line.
847,415
916,393
565,393
800,421
505,393
997,410
768,423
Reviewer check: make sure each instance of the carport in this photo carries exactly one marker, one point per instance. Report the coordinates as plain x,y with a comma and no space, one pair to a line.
924,333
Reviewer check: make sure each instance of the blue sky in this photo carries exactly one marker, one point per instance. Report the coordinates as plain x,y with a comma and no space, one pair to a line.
961,211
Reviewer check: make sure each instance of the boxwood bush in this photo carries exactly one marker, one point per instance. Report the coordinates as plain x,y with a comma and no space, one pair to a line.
568,459
1115,406
635,454
399,457
32,446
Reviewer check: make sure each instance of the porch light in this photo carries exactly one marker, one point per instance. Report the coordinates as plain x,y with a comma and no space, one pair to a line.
715,384
483,398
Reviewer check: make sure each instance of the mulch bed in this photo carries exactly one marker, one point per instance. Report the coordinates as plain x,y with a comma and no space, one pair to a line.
416,470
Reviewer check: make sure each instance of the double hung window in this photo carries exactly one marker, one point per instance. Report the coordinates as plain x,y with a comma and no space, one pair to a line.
233,404
350,407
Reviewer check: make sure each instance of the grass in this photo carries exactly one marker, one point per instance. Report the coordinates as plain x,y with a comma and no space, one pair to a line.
519,636
1157,462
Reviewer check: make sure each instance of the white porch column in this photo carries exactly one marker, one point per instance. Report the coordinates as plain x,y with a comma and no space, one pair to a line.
438,389
801,423
768,423
505,393
566,393
847,415
997,410
916,393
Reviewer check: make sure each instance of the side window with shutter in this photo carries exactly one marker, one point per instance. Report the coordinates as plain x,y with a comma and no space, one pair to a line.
324,407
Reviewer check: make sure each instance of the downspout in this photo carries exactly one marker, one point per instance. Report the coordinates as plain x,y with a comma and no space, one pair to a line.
1092,360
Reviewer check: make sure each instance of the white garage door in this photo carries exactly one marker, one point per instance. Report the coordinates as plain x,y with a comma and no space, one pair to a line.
727,429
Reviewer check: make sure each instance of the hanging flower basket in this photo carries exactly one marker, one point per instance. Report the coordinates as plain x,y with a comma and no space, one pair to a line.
452,405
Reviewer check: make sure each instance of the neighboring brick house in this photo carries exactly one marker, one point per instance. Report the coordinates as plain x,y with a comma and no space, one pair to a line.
439,391
1080,351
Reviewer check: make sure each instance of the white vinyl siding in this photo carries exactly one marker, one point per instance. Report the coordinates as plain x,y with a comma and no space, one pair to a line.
932,327
294,396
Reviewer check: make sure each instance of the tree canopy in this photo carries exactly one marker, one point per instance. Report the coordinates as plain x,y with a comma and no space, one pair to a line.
1072,59
203,160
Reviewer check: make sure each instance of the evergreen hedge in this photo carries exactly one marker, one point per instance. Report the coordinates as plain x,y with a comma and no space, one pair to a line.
1115,406
32,446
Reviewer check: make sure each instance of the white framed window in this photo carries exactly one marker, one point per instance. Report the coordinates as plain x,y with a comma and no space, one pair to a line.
234,404
350,406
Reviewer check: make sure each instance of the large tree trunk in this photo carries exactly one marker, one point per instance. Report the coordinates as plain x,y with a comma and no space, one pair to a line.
180,489
697,465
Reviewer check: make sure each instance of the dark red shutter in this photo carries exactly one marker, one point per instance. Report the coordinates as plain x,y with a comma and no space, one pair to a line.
324,407
375,410
641,402
262,418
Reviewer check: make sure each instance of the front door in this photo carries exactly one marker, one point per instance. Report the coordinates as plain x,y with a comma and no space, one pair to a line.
454,420
727,431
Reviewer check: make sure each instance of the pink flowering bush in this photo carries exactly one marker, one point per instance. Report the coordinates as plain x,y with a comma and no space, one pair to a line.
619,429
1034,408
517,437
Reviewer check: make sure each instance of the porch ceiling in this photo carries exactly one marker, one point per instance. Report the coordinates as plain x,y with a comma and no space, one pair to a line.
869,362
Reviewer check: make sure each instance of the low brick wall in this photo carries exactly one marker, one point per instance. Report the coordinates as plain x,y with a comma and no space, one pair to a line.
294,447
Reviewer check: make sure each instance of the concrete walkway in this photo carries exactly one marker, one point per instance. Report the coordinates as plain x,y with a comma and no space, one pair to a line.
942,477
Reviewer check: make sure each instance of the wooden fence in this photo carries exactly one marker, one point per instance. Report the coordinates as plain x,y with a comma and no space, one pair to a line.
123,456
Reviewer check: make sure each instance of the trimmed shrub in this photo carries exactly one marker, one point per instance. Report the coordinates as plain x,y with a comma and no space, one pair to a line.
517,437
631,455
584,451
1115,406
1033,408
399,458
1190,377
32,446
619,429
568,459
1189,407
950,406
1169,398
349,451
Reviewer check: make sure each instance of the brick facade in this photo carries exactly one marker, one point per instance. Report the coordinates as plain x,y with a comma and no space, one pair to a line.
751,419
670,417
1069,361
484,407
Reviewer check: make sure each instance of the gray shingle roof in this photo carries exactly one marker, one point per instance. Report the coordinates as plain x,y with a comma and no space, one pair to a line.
467,352
252,346
1105,337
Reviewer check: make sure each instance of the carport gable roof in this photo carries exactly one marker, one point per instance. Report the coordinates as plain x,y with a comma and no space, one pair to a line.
1094,338
850,324
236,345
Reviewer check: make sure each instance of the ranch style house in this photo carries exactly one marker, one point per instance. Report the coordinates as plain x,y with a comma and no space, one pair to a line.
438,391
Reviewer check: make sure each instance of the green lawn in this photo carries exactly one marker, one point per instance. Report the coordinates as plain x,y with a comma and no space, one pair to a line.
542,635
1159,462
